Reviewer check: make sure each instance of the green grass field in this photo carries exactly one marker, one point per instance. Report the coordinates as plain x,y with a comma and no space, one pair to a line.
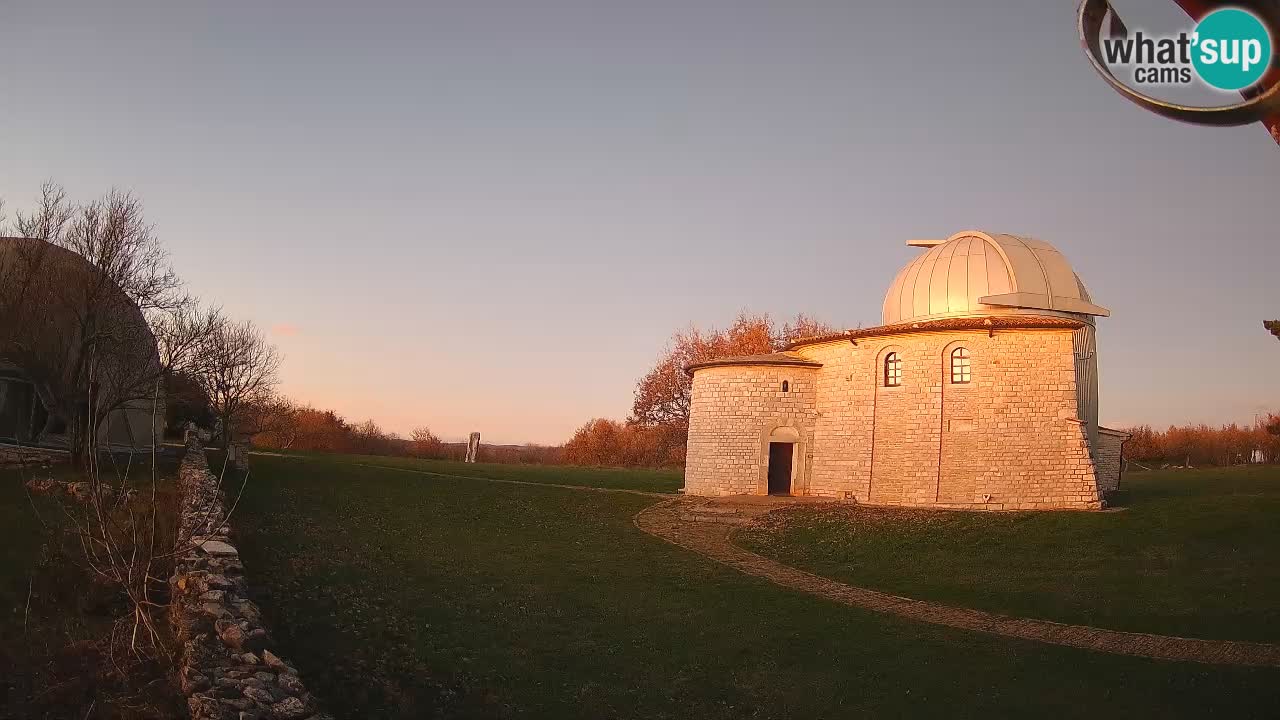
402,595
1193,554
661,481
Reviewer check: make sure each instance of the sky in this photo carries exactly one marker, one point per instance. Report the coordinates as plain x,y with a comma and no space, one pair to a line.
491,216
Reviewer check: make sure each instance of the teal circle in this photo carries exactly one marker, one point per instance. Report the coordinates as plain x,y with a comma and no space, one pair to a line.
1226,40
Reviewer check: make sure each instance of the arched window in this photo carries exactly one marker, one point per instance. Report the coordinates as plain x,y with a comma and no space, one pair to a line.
960,366
786,386
892,370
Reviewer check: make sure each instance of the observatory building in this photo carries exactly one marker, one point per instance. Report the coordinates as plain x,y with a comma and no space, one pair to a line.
45,292
979,391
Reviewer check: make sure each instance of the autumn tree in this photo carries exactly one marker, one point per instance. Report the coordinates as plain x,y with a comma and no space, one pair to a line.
271,414
1273,327
1143,444
309,429
1205,445
662,396
369,438
599,442
424,443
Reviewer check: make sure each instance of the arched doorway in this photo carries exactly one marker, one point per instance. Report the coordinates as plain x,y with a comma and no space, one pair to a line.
782,451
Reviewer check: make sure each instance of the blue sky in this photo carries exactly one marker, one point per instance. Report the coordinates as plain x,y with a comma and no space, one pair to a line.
491,215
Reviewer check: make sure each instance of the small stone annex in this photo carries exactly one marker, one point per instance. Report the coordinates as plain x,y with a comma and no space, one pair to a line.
979,391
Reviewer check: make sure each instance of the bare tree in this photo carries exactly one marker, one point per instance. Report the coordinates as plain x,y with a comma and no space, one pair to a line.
112,234
239,370
181,334
20,269
273,415
94,316
75,320
50,217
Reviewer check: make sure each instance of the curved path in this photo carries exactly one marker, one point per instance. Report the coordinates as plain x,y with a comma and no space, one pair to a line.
709,536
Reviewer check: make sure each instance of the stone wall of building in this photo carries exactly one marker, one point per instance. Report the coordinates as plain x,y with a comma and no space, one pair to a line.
732,414
1009,439
227,670
1108,459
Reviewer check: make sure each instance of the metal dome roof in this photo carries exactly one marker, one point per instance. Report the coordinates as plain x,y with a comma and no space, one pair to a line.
976,273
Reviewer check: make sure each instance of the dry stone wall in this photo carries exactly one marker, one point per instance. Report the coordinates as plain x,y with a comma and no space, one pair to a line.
227,670
30,457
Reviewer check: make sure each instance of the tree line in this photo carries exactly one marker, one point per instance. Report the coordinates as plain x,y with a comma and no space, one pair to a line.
657,431
654,435
1198,445
287,426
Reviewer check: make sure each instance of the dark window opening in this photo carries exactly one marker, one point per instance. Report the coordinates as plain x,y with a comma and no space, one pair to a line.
786,386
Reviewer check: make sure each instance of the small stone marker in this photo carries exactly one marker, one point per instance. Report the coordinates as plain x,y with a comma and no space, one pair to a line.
238,455
473,445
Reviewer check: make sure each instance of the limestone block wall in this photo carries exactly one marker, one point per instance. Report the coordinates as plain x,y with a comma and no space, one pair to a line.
844,419
733,411
1004,440
1011,438
1108,458
227,670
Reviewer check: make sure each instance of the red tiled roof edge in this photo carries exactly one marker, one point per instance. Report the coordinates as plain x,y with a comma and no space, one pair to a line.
1005,322
779,359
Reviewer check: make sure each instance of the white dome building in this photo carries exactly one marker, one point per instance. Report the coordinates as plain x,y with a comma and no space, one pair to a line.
40,340
979,391
973,273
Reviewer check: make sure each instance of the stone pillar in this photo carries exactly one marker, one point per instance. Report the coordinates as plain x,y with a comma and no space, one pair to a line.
473,446
238,455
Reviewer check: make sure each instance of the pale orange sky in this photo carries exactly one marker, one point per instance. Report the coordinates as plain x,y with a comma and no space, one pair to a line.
490,216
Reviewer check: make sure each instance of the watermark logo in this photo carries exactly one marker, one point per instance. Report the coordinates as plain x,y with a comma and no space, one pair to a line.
1234,49
1229,49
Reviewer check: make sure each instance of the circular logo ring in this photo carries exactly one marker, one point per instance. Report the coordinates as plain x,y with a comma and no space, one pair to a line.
1266,103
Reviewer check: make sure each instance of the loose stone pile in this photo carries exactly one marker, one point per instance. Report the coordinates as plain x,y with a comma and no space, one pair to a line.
226,670
81,491
30,457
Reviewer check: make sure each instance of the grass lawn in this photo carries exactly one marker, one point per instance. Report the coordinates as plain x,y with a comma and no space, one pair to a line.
407,596
55,618
663,481
1196,553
